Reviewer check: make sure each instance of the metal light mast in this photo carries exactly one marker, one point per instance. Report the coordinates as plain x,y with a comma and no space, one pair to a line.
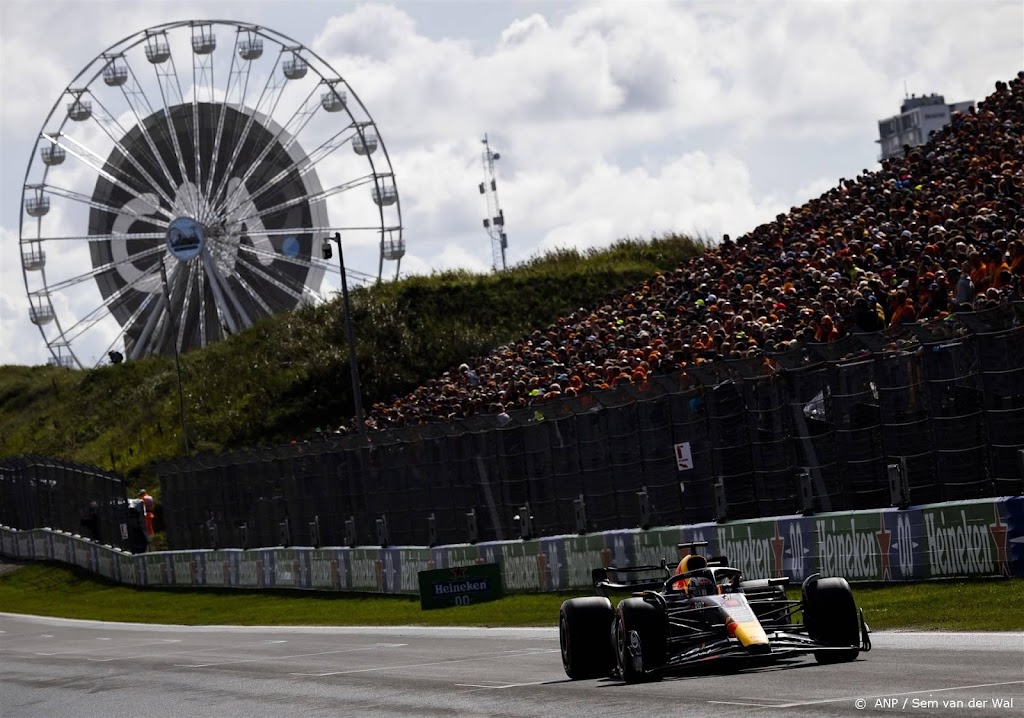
494,223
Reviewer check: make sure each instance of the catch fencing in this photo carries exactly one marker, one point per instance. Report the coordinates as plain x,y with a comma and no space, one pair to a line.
815,429
38,492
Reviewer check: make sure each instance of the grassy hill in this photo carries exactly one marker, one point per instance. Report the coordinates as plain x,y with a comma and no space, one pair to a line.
288,375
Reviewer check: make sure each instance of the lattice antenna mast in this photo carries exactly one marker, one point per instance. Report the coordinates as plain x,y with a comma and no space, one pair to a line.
494,222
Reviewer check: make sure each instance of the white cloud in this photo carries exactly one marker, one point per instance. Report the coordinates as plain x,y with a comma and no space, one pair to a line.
613,119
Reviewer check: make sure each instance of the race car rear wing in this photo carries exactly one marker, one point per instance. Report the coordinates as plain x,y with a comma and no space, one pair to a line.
691,548
630,579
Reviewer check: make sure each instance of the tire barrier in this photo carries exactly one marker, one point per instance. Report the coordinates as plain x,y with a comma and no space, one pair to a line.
982,538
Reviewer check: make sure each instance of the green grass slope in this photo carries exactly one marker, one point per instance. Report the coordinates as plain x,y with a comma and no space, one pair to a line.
289,375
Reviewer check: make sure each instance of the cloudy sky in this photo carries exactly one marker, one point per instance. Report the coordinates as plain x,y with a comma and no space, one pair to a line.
613,119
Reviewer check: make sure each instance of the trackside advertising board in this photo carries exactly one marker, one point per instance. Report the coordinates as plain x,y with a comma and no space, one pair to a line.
460,585
984,537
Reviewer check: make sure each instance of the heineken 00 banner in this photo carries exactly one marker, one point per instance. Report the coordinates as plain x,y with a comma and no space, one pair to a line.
969,539
460,585
984,537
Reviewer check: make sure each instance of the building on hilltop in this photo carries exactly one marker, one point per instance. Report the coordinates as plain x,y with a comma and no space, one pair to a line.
919,118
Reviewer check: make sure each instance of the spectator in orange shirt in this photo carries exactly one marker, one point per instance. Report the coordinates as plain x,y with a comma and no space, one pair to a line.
977,268
904,312
995,267
826,331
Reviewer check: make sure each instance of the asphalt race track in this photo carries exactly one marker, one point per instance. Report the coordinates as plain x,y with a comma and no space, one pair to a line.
56,668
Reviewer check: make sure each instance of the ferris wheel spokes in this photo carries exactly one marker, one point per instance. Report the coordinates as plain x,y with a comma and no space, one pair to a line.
83,199
272,90
203,45
269,278
254,295
99,237
144,305
227,294
133,93
316,231
233,80
303,168
108,266
305,111
90,319
141,346
159,54
300,262
192,280
137,193
313,197
105,120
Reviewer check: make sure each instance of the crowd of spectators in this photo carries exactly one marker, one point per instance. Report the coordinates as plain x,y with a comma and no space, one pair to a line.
937,231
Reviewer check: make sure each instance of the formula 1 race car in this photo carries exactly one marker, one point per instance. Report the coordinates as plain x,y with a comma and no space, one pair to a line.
704,611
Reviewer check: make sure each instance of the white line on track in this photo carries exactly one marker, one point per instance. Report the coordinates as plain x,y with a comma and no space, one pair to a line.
870,698
186,651
482,657
20,637
105,648
758,702
275,658
498,687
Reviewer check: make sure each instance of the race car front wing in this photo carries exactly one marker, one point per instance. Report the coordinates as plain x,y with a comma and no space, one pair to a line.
781,644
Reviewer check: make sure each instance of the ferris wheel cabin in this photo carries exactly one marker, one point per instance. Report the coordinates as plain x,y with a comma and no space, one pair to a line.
79,109
158,51
34,258
203,40
365,143
115,74
295,67
52,155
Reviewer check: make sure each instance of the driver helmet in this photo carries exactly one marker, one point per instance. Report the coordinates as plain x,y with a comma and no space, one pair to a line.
700,586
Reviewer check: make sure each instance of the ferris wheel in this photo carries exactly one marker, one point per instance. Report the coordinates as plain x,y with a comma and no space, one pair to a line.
181,185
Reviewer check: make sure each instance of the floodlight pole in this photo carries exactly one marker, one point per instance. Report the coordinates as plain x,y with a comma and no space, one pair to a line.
357,392
177,358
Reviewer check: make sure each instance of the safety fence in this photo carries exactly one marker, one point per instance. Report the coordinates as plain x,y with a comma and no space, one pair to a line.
925,413
38,492
983,538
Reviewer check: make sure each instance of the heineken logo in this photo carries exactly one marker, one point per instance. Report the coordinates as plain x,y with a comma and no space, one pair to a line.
755,556
184,570
459,585
216,572
960,546
465,586
249,572
324,573
522,572
284,572
849,552
367,573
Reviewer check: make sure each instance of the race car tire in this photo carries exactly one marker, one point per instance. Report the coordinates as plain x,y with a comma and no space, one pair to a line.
830,616
648,622
583,628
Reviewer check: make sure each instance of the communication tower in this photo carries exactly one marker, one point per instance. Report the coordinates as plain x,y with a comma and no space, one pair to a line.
494,222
